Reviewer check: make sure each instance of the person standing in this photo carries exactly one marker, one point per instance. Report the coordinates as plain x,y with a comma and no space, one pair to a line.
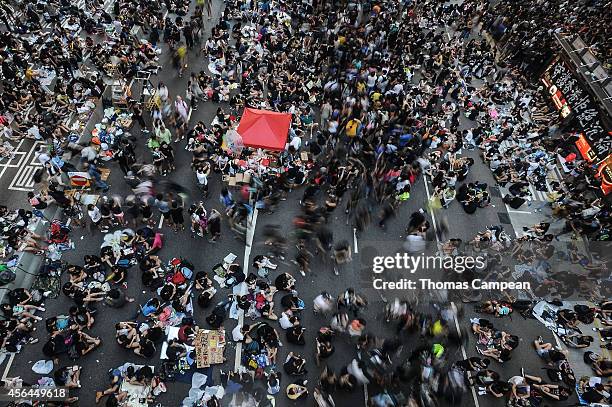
206,4
176,214
188,34
94,216
133,211
163,135
163,206
182,108
137,115
123,160
214,225
326,111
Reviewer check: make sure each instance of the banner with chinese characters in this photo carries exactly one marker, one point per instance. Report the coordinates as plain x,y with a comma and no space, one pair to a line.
209,346
570,97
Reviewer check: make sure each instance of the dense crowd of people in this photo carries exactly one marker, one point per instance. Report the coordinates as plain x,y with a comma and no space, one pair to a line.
383,95
525,30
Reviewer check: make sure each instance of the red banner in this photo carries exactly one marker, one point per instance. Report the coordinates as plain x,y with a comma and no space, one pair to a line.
585,148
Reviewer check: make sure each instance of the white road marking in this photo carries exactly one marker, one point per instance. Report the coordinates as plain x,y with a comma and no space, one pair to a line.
557,340
515,211
431,212
8,163
23,177
463,352
355,240
161,221
250,233
8,366
18,164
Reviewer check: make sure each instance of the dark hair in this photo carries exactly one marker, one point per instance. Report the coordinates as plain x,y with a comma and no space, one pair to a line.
68,289
114,293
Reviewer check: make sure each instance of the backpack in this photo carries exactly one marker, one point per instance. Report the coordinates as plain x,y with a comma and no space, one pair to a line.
187,271
178,278
125,263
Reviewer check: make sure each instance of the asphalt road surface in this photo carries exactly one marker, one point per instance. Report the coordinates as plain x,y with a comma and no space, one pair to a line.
204,255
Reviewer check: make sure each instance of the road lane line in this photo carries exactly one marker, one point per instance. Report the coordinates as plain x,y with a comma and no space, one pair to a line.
431,211
250,233
355,240
161,221
463,352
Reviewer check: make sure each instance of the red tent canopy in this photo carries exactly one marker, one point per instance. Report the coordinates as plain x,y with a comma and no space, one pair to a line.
264,129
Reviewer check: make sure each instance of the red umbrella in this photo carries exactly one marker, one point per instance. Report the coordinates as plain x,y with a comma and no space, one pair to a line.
264,129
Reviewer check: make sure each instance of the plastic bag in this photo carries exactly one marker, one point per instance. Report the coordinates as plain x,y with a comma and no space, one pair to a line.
43,366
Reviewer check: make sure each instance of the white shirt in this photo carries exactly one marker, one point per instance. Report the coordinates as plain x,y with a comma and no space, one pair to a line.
284,321
371,81
181,108
296,142
414,243
89,153
237,336
43,157
401,184
35,132
332,126
163,93
202,179
95,214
